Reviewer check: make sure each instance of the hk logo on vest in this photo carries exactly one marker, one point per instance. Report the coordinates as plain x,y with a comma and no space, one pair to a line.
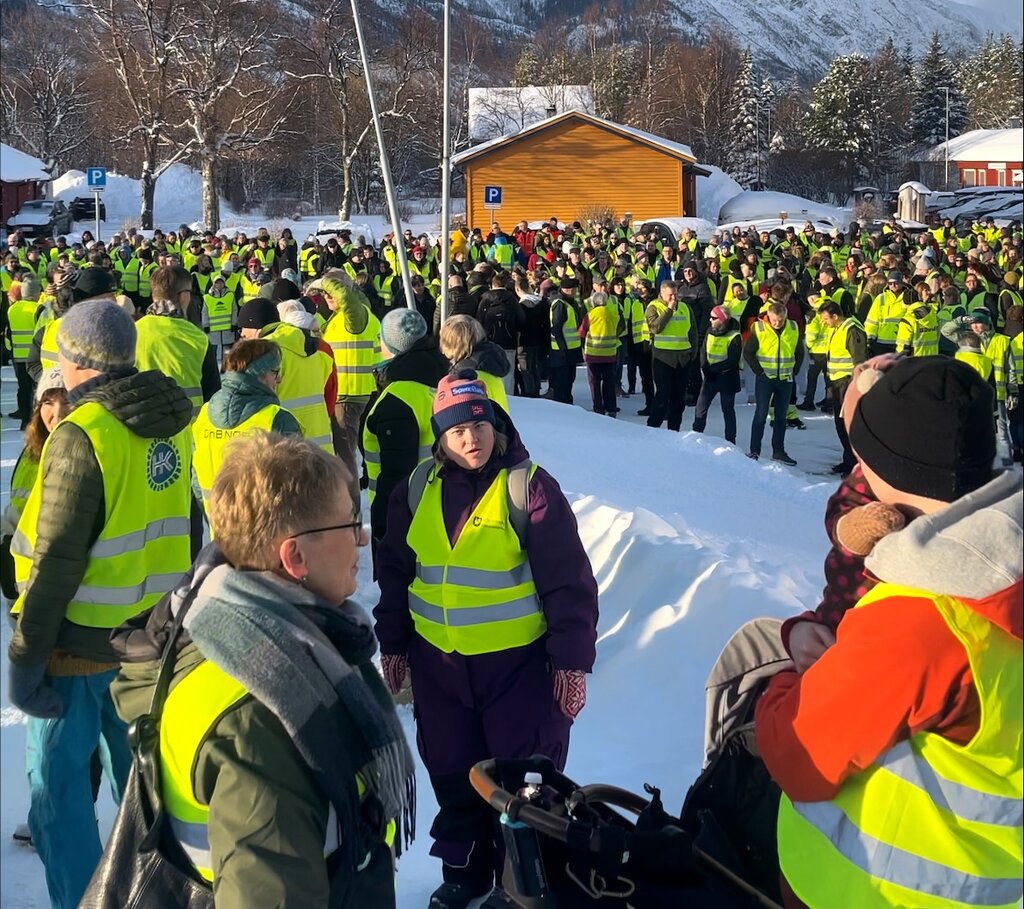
164,466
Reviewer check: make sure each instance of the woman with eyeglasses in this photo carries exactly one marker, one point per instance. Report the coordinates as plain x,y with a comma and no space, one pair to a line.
489,601
284,770
247,401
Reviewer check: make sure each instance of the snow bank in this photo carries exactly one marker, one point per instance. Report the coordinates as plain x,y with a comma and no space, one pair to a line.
763,209
178,198
714,191
688,539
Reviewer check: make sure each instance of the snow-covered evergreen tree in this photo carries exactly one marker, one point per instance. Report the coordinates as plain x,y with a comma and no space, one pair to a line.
991,82
840,118
935,76
742,151
527,68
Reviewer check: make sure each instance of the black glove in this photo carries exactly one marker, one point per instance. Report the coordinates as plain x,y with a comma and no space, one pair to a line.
28,692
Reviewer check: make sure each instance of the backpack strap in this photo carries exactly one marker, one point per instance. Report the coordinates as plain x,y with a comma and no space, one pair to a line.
417,484
519,498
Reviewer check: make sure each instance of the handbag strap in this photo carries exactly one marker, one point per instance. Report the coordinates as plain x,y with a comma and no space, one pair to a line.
169,657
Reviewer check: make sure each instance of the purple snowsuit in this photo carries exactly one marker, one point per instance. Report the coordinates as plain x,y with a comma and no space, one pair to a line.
469,708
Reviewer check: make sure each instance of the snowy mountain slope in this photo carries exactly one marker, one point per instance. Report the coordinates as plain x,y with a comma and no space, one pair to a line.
688,539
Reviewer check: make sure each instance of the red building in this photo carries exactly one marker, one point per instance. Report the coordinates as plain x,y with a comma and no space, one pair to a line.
984,157
22,178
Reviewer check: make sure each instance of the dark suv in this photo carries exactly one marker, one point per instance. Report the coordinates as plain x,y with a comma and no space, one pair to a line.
83,208
41,218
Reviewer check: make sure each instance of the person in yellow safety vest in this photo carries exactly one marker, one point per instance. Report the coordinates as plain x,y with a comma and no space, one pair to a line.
1007,295
397,434
847,347
566,347
901,766
674,335
720,365
232,277
35,263
309,259
103,535
485,587
305,369
50,407
635,312
250,281
23,300
774,351
246,403
264,253
284,772
202,274
816,337
190,253
353,333
970,352
883,319
600,331
168,342
918,332
220,312
1015,383
385,284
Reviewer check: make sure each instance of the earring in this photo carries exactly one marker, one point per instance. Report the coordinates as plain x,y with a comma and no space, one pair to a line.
302,580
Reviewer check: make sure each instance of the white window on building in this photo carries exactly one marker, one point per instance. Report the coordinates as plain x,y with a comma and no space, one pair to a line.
1001,177
982,174
1017,178
967,176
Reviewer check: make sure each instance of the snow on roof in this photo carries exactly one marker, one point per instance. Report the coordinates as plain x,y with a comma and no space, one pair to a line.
677,149
918,187
16,166
982,145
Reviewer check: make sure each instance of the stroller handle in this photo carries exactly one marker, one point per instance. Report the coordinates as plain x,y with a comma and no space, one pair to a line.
482,778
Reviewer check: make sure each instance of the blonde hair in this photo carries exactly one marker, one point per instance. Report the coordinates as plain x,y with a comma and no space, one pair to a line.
459,335
269,487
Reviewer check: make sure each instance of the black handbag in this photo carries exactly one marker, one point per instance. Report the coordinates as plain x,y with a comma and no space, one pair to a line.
143,866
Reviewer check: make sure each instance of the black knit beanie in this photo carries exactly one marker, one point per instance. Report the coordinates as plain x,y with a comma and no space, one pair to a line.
926,428
257,313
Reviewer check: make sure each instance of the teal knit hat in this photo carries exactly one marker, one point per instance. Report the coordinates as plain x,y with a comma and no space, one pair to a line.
97,334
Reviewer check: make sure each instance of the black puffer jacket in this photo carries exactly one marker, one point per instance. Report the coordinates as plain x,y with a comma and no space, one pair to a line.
72,512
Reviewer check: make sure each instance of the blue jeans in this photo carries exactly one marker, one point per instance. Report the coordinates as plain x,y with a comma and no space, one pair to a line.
58,752
764,390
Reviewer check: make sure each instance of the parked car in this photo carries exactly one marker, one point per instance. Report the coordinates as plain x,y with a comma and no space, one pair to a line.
41,218
83,208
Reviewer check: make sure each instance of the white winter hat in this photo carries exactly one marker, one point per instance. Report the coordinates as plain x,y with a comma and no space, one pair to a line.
292,312
50,379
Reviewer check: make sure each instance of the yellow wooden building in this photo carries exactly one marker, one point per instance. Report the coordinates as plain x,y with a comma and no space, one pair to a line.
574,162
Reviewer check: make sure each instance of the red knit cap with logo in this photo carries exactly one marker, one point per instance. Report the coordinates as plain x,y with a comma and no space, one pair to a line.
460,398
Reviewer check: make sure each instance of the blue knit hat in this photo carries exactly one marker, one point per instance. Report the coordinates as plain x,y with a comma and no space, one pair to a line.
401,328
97,334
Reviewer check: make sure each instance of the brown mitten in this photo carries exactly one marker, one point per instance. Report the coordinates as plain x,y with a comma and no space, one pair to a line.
858,530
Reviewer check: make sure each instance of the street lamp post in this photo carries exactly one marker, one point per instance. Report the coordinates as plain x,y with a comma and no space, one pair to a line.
945,88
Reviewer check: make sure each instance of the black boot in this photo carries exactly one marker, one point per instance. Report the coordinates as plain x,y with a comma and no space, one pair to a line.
453,896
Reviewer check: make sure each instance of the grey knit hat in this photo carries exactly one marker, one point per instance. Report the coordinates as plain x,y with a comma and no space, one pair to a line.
97,334
401,328
50,379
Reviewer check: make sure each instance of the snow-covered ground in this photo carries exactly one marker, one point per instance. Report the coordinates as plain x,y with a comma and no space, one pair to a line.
688,539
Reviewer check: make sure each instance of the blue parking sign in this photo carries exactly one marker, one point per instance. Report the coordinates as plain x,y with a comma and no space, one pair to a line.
96,177
492,197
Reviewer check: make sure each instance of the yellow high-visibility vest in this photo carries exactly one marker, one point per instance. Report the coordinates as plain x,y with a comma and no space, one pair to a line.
931,824
355,355
717,346
676,333
477,596
48,345
776,352
420,400
176,348
840,363
22,319
603,332
570,330
143,549
301,389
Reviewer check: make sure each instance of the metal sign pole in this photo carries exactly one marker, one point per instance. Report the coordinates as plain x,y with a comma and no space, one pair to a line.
446,169
96,197
385,167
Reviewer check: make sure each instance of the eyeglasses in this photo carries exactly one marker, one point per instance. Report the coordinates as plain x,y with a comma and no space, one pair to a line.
356,526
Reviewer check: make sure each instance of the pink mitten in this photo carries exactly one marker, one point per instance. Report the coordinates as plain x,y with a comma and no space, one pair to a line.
394,667
570,691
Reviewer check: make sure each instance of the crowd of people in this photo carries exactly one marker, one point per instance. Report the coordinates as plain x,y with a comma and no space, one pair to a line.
185,387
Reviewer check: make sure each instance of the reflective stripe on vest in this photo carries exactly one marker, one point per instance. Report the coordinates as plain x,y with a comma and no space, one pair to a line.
22,319
717,346
840,363
570,330
48,346
776,352
1017,358
919,332
676,333
603,331
884,317
301,389
143,548
478,596
931,824
419,399
355,355
26,471
219,311
211,442
175,347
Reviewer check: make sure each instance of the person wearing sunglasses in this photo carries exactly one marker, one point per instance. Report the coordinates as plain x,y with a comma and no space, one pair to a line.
284,770
247,402
886,312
